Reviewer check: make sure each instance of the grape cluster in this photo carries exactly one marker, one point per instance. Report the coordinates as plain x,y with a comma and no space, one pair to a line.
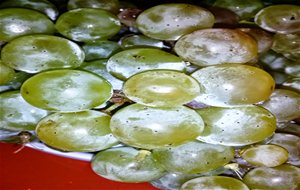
181,94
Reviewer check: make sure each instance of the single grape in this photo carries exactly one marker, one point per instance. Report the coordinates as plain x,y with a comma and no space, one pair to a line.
139,41
288,45
161,88
147,127
279,18
216,46
284,104
193,157
109,5
236,126
36,53
265,155
132,61
126,164
87,24
16,82
281,177
7,74
16,22
233,85
171,21
128,16
66,90
100,50
291,143
214,182
42,6
86,131
16,114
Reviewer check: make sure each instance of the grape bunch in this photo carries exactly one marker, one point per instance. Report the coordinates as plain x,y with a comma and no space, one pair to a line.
181,94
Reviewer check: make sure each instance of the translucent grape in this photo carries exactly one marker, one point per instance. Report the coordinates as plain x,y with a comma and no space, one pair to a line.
16,22
288,45
87,24
233,85
236,126
147,127
193,157
163,88
100,50
66,90
16,82
126,164
214,182
135,41
216,46
109,5
86,131
36,53
277,178
16,114
171,21
129,62
7,74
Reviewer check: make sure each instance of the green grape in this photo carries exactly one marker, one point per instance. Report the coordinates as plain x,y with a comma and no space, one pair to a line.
173,181
86,131
284,104
109,5
42,6
16,22
87,24
214,182
278,178
246,9
171,21
288,45
292,84
99,67
16,82
233,85
265,155
264,39
7,74
16,114
132,61
135,41
193,157
66,90
236,126
147,127
216,46
36,53
279,18
161,88
291,143
126,164
100,50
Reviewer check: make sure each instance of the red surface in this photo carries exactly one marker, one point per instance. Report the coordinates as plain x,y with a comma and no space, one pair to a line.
31,169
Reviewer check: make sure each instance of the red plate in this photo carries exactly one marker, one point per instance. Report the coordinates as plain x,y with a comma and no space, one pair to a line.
31,169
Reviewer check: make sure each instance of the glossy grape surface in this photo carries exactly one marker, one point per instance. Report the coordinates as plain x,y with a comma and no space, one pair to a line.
86,24
292,84
135,41
278,178
236,126
193,157
16,22
16,114
126,164
36,53
265,155
100,50
279,18
216,46
66,90
86,131
7,74
163,88
171,21
129,62
233,85
288,45
214,182
146,127
284,104
42,6
109,5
